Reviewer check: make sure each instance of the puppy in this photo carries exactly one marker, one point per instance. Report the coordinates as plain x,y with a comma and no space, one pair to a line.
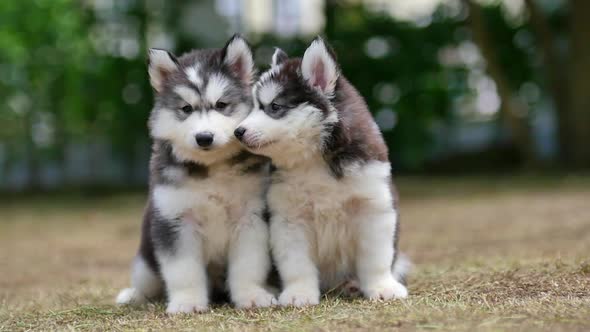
204,216
332,202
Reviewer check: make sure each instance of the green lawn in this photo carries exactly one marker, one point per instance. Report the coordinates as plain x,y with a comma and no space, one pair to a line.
491,253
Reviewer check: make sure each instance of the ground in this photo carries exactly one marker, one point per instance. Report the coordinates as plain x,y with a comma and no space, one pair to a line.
507,253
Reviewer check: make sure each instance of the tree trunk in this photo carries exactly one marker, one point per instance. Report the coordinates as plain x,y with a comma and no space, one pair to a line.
60,145
330,15
580,84
31,152
556,76
514,112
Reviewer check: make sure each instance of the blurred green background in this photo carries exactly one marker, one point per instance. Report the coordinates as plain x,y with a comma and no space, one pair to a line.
456,86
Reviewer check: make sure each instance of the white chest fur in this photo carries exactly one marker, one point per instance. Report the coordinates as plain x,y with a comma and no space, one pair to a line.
332,210
216,205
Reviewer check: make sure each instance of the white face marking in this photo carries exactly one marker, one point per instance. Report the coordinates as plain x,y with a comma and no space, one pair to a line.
215,88
193,74
268,92
187,94
166,125
299,133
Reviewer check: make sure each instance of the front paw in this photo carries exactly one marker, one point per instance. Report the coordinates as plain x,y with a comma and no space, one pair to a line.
299,296
386,288
255,298
186,305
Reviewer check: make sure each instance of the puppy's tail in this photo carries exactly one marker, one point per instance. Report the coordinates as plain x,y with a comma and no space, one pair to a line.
401,268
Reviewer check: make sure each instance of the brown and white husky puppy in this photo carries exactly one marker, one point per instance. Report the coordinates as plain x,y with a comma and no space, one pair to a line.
203,227
332,202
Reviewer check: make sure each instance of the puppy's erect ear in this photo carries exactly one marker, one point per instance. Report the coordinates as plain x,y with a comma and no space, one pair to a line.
160,64
238,57
279,57
319,67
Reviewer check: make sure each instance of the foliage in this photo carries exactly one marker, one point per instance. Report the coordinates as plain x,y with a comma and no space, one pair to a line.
74,73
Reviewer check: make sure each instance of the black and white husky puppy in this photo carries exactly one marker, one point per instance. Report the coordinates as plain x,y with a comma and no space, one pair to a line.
203,223
332,202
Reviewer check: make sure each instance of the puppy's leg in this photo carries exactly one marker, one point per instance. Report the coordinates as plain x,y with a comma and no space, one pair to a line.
374,257
183,268
145,284
299,275
249,264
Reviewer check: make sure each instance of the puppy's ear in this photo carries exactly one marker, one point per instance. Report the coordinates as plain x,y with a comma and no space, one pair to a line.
319,67
237,55
161,63
279,57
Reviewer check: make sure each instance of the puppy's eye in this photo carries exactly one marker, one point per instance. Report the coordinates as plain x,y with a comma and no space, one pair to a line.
187,109
275,107
220,105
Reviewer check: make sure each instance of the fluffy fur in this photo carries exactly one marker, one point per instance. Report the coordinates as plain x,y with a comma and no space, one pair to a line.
332,202
204,230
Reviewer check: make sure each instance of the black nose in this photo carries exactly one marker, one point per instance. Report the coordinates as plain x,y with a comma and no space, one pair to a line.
204,139
239,132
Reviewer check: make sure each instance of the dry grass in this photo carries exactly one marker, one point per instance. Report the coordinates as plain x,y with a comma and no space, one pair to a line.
492,254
